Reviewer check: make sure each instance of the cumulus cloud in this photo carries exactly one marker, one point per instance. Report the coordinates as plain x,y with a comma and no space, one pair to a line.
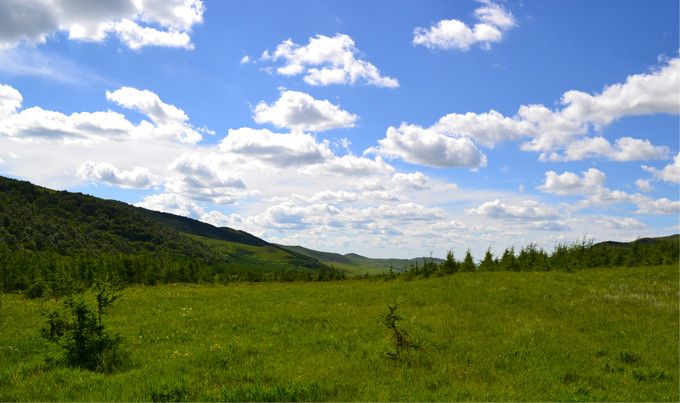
172,203
669,173
327,60
410,181
198,178
429,147
135,23
492,22
557,134
137,177
10,100
167,121
488,128
644,185
641,94
521,210
569,183
624,149
657,206
278,149
591,185
300,111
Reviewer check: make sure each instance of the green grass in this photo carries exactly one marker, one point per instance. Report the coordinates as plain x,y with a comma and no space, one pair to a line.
609,334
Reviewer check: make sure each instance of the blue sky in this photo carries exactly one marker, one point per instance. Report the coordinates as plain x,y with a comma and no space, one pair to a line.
382,128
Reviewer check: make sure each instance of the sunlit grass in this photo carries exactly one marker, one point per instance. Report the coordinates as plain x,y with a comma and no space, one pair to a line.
609,334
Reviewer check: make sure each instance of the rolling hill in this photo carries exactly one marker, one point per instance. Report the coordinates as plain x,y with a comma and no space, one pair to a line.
358,264
44,224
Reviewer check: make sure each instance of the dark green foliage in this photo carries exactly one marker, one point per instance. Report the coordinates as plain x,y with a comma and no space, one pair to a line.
450,265
401,340
567,257
508,261
170,393
488,264
79,330
468,264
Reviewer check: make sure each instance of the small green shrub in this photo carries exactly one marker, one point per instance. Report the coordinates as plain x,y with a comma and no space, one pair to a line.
36,290
78,329
649,374
401,340
629,357
177,392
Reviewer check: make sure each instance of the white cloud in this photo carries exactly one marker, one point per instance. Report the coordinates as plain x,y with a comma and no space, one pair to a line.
644,185
166,23
300,111
493,19
669,173
199,178
137,178
277,149
410,181
339,196
624,149
657,206
487,129
37,124
327,60
640,94
569,183
429,147
591,185
351,166
560,134
172,203
549,225
10,100
245,60
521,210
137,37
625,223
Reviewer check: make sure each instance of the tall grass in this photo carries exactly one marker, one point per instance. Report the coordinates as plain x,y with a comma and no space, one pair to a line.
609,334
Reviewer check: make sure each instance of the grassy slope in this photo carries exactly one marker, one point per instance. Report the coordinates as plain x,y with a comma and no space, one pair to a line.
486,336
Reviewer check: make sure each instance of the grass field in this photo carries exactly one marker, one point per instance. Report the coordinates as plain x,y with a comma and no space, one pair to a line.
609,334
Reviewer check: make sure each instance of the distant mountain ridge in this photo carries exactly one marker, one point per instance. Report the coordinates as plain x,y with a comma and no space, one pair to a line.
358,261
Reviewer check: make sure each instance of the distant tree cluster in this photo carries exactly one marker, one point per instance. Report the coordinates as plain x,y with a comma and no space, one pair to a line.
568,257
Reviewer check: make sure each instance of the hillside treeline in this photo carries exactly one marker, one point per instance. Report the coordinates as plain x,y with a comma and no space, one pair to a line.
568,257
41,273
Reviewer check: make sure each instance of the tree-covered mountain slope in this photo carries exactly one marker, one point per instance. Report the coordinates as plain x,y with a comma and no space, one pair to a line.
37,219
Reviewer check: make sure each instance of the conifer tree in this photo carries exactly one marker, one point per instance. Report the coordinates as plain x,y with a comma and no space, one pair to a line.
468,263
488,264
450,265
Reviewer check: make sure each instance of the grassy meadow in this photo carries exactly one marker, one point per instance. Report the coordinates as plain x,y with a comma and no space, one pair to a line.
606,334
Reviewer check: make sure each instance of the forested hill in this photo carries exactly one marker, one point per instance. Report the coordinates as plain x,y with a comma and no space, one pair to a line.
33,218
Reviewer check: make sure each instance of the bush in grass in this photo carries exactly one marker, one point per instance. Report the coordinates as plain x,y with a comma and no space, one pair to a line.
79,330
401,340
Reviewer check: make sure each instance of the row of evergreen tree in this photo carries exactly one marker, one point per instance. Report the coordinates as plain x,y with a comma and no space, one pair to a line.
41,273
568,257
